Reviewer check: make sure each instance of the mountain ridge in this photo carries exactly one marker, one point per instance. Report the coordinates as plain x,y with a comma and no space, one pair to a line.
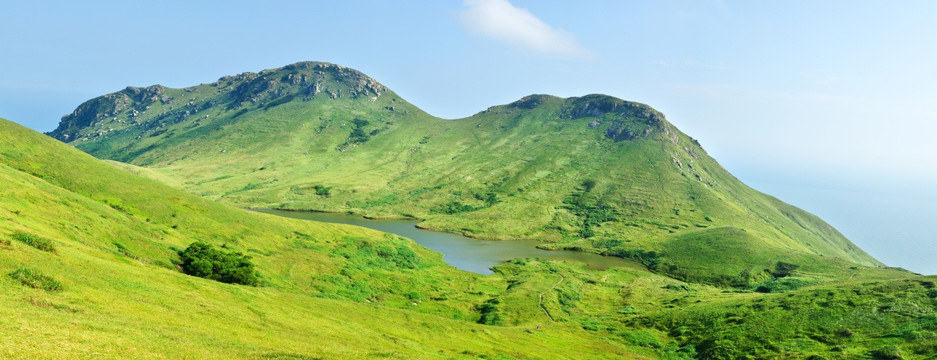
593,173
327,290
332,291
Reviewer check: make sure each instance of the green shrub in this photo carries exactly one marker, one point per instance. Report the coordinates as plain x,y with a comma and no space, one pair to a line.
203,260
886,353
405,257
280,101
588,185
932,293
453,207
642,338
490,198
490,313
606,243
322,190
782,284
651,258
389,199
592,214
783,269
628,310
35,279
718,349
358,134
34,241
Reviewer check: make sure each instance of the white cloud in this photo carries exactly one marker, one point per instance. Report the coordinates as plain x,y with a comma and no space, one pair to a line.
501,20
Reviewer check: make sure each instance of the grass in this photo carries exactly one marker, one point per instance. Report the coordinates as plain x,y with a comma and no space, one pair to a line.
35,279
335,291
495,175
329,291
855,320
34,241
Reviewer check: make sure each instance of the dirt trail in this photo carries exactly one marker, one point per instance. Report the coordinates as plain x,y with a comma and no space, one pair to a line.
541,298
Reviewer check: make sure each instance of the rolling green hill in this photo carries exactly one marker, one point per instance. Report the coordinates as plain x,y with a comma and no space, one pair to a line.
88,265
591,173
88,269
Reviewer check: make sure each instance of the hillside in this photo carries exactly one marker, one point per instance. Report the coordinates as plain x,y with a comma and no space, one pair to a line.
592,173
327,291
102,243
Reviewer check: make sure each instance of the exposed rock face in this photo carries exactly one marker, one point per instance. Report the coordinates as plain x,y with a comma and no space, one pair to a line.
619,132
627,120
149,94
304,80
132,99
528,102
599,105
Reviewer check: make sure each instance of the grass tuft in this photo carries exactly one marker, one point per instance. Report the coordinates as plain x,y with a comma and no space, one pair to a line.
34,241
35,279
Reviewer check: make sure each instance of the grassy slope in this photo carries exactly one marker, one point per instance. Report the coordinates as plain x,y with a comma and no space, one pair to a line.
269,140
128,301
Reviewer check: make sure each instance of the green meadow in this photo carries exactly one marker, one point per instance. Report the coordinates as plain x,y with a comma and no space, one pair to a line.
94,260
592,173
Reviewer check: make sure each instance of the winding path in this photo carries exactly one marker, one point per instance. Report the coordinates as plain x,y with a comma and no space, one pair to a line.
545,311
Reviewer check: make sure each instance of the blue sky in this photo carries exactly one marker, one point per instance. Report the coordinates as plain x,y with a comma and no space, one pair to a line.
827,105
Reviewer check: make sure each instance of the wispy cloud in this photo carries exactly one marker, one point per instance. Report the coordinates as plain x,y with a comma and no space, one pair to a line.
501,20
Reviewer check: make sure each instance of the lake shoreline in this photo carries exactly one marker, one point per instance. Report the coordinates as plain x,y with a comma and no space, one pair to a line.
463,252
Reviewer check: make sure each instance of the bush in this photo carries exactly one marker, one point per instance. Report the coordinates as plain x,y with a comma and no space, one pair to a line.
651,259
782,285
490,198
783,269
401,255
454,207
203,260
642,338
588,185
35,279
718,349
490,313
886,353
322,190
34,241
606,243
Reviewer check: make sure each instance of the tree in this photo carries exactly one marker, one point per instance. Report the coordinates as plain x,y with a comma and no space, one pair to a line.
203,260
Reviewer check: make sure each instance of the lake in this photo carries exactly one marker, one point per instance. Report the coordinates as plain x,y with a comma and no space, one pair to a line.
465,253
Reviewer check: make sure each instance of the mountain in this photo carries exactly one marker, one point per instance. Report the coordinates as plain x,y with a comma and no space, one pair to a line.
88,269
591,173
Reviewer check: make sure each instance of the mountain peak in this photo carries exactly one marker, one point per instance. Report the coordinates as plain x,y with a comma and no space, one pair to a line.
243,92
310,123
530,101
626,120
306,79
600,104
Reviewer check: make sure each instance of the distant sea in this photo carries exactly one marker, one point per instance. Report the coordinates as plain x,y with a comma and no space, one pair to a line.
895,224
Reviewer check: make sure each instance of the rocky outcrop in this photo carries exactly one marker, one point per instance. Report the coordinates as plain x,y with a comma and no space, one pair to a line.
600,105
529,102
304,80
301,81
133,100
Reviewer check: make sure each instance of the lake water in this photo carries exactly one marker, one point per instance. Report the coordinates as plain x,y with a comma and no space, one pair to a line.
465,253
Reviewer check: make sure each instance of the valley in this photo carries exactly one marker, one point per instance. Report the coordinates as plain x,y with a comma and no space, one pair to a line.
322,137
655,250
474,255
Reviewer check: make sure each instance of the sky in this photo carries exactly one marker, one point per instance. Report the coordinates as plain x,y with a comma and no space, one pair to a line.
828,105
